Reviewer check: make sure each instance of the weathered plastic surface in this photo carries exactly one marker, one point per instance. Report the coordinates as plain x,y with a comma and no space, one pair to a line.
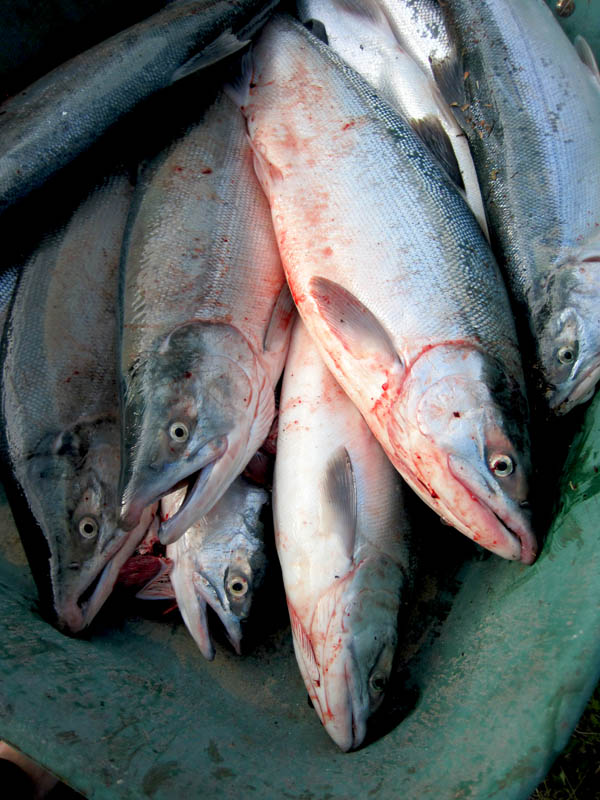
500,660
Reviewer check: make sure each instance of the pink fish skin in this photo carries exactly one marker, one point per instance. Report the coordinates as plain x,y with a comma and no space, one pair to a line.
343,541
396,284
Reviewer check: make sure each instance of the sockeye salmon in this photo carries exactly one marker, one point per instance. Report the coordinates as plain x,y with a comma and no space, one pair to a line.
343,541
533,119
60,409
395,282
206,315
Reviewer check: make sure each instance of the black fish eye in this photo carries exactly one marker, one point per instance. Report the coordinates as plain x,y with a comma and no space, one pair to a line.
238,586
88,527
378,682
501,465
566,354
179,432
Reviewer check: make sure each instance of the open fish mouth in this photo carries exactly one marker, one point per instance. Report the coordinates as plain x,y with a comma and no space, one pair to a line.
74,616
135,501
500,529
199,499
563,402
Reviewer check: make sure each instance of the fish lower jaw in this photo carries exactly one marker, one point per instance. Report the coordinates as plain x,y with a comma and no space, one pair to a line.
584,390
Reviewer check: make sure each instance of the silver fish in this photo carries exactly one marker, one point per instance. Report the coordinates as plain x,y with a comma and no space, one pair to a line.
60,407
343,540
206,316
395,282
362,35
59,116
534,125
219,562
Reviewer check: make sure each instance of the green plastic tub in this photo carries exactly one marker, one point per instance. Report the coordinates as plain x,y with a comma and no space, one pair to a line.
497,663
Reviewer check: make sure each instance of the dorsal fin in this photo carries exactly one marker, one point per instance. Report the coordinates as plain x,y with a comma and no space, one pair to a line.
430,130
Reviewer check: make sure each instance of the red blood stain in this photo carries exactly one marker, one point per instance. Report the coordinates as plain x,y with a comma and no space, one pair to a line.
327,251
349,125
207,171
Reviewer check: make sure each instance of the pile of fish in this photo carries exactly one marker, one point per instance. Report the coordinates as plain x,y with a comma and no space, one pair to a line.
322,218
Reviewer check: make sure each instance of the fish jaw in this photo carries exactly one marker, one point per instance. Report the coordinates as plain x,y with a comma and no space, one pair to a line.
456,418
74,614
205,381
135,501
352,639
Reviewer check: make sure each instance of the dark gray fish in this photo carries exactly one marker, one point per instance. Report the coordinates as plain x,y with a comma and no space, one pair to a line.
60,407
63,113
8,282
533,121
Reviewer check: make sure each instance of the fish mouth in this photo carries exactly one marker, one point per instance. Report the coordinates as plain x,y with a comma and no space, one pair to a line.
514,539
73,616
201,495
562,402
132,507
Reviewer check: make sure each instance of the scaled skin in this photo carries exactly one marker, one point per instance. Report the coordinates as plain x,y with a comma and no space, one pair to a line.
343,542
206,316
396,284
533,121
62,429
219,562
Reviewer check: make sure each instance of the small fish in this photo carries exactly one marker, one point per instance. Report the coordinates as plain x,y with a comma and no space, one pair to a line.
533,121
63,113
60,409
206,319
343,541
396,283
218,562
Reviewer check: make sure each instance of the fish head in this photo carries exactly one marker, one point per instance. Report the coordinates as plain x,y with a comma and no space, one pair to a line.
569,335
346,658
221,561
466,423
189,408
79,517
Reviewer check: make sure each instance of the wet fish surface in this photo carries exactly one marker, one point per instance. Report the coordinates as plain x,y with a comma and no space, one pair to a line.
362,35
427,351
60,407
343,540
533,119
63,113
206,318
219,562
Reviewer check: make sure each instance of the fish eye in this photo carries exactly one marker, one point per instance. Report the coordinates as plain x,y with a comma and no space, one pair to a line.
88,527
378,682
237,586
501,465
566,354
179,432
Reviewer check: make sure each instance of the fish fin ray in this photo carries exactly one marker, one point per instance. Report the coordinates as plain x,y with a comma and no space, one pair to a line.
238,88
304,644
430,130
585,53
357,328
338,499
159,587
279,328
224,45
449,79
